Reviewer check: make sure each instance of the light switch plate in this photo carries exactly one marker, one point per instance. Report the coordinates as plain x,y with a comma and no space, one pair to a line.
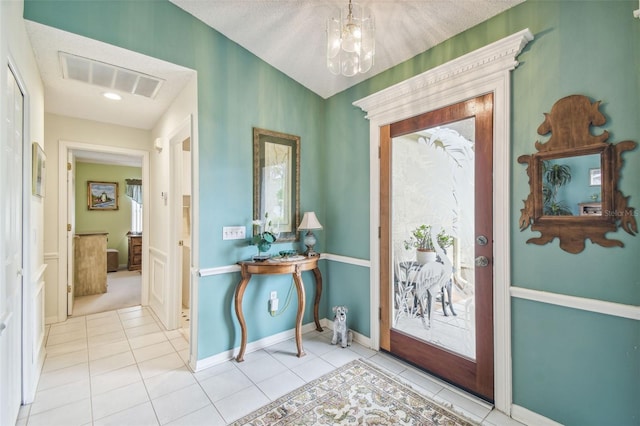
233,232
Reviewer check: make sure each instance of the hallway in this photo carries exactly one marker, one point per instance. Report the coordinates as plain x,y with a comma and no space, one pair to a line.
122,368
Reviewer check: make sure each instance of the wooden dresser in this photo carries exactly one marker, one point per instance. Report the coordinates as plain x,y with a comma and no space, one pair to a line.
90,263
134,261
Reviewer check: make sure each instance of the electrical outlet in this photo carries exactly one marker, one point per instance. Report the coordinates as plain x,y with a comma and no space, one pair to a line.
274,295
233,232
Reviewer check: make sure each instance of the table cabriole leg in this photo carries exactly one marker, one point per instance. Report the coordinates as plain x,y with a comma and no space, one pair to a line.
297,278
316,301
238,306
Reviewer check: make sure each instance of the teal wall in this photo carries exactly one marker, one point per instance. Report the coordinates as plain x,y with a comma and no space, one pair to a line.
572,366
116,222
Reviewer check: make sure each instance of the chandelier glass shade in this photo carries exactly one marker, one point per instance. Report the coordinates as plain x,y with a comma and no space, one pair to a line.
351,41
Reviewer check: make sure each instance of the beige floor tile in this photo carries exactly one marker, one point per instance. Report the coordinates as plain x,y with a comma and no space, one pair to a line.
153,351
170,381
160,365
207,416
119,399
60,395
180,403
110,363
114,379
108,349
63,376
73,414
57,362
146,340
140,415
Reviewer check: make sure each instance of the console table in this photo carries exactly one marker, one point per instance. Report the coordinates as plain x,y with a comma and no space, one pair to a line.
278,267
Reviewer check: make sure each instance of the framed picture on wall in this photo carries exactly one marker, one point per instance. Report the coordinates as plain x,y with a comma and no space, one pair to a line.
594,177
38,169
102,195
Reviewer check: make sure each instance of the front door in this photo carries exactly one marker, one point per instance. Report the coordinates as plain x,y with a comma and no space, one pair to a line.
11,285
436,195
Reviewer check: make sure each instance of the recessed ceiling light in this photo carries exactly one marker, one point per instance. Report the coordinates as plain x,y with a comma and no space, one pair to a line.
112,96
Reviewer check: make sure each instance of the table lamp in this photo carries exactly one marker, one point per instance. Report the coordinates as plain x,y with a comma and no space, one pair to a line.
309,222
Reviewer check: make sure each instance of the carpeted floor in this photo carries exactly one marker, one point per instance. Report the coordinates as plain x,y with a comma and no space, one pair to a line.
123,290
357,393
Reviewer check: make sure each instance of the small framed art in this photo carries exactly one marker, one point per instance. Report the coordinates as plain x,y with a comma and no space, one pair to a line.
102,195
38,169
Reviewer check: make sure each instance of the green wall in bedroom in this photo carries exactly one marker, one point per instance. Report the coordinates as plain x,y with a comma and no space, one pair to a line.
572,366
116,222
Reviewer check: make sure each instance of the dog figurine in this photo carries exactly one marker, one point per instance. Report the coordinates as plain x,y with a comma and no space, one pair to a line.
340,331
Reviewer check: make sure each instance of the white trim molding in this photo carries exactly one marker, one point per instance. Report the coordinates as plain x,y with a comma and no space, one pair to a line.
529,417
485,70
348,260
270,341
582,303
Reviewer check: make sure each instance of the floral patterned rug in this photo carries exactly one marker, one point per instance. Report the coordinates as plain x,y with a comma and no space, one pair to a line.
357,393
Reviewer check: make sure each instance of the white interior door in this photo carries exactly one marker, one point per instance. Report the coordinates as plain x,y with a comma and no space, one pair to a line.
11,288
71,227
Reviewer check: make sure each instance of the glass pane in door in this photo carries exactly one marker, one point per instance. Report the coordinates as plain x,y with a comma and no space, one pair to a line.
432,233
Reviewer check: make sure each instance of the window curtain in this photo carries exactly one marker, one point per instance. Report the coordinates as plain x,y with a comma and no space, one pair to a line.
133,189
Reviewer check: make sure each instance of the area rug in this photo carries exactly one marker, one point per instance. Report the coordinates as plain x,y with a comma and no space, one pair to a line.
357,393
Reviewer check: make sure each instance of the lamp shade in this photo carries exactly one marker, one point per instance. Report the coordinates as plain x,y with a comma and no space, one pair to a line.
309,221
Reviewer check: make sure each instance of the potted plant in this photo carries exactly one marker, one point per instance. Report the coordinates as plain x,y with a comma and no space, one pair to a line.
555,176
263,238
421,240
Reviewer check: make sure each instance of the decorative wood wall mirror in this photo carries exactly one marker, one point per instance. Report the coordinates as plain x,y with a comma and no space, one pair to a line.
276,182
573,180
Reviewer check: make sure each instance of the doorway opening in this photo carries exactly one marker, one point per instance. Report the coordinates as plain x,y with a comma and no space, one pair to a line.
105,262
123,227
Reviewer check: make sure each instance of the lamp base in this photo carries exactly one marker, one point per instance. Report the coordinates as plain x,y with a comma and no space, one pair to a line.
310,253
309,242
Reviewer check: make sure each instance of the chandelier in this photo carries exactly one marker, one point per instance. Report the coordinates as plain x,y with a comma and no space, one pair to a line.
351,41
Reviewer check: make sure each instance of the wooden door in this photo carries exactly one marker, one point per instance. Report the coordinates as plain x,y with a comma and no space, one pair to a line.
436,170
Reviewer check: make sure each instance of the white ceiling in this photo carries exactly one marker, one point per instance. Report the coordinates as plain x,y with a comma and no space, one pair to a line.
288,34
291,34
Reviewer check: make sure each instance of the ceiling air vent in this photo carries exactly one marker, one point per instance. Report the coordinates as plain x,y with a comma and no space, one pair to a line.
108,76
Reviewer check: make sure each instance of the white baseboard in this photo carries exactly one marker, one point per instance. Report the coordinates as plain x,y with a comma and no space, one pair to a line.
269,341
529,417
252,347
51,320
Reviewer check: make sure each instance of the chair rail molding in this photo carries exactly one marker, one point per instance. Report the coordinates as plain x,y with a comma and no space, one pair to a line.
582,303
485,70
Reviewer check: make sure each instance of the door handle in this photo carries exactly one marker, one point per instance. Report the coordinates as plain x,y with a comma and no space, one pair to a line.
482,261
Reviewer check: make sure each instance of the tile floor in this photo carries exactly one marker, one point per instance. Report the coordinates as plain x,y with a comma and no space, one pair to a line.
122,368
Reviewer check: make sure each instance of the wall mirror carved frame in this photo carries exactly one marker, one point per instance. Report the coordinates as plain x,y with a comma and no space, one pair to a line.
569,124
276,182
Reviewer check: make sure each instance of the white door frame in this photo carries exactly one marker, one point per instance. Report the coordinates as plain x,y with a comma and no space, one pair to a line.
482,71
183,132
64,148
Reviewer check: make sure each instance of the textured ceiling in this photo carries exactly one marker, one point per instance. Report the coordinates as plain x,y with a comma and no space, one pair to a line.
82,100
291,34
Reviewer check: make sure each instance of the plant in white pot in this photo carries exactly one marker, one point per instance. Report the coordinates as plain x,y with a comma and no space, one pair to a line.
422,240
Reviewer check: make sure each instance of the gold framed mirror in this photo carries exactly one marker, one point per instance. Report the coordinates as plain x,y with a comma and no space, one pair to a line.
573,180
276,182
